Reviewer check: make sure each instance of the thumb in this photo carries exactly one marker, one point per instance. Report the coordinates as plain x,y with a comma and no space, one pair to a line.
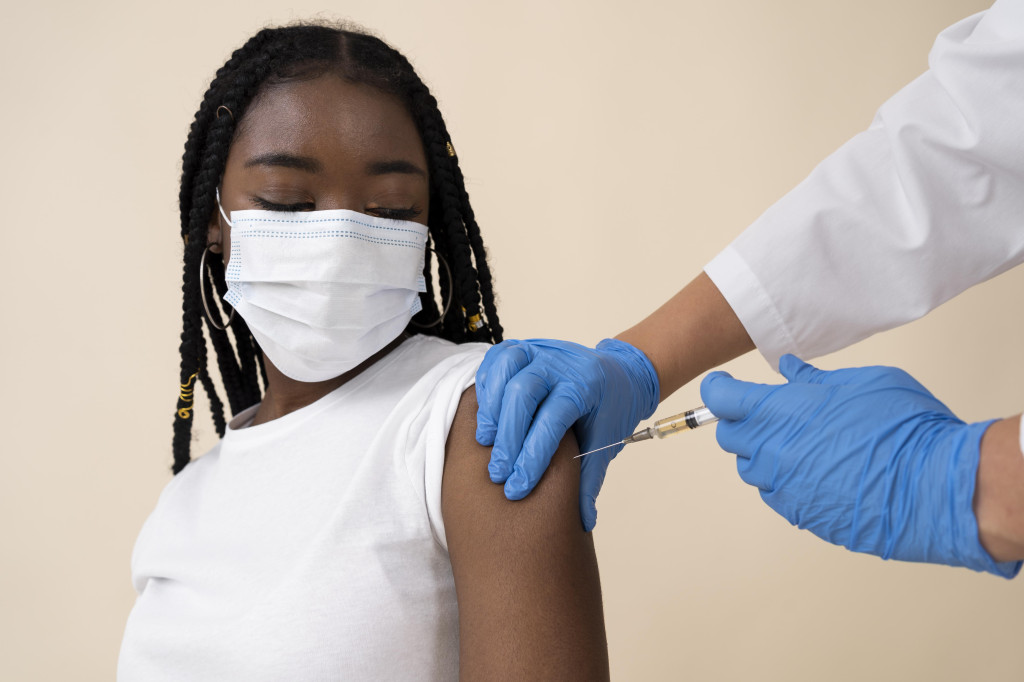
795,369
730,398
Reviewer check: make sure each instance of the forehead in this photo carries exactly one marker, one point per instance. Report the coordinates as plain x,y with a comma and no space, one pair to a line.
328,118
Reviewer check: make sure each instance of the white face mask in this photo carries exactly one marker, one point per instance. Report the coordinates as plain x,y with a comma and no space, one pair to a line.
322,291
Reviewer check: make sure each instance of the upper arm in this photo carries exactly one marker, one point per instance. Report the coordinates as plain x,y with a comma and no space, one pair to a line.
525,572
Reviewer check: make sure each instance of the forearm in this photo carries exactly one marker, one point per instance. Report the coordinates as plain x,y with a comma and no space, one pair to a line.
691,333
999,492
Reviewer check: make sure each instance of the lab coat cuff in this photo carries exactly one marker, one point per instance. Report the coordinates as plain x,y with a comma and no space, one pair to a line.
753,305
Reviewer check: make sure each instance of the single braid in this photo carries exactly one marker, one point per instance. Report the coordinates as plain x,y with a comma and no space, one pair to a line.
479,255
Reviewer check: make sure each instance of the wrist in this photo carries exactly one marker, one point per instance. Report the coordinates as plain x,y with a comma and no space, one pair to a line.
998,508
696,330
963,545
931,518
640,371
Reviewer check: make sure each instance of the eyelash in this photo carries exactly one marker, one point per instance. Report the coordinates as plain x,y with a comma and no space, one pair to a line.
287,208
396,213
381,212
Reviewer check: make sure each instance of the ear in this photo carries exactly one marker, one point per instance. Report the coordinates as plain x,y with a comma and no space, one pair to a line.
214,236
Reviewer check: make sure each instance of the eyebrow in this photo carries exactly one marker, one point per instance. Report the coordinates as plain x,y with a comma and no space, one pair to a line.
311,165
284,160
395,166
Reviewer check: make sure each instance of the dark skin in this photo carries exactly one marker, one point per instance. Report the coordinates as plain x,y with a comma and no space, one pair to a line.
525,572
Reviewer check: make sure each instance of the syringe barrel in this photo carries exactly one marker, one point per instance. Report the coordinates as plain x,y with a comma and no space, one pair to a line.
690,419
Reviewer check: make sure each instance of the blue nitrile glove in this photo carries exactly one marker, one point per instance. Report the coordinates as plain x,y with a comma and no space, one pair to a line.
604,392
866,458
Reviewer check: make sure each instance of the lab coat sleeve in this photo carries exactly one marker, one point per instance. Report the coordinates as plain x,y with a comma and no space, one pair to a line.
924,204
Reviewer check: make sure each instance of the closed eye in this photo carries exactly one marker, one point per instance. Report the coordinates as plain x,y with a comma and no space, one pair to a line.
286,208
380,211
395,213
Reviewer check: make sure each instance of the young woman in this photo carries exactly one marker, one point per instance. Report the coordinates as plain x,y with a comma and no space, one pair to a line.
345,526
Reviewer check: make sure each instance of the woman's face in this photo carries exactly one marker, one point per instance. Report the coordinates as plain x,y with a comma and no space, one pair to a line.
324,144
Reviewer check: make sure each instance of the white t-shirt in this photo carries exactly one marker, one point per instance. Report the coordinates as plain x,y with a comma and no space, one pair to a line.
310,547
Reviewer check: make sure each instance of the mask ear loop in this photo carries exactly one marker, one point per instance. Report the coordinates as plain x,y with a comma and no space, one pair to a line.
202,277
451,293
221,209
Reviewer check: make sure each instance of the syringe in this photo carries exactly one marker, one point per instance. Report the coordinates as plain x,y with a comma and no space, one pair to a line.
691,419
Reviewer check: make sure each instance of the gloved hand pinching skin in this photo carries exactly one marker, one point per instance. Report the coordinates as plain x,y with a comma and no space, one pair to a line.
531,392
865,458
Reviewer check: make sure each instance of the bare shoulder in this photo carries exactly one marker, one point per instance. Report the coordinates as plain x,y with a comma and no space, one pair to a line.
525,572
556,496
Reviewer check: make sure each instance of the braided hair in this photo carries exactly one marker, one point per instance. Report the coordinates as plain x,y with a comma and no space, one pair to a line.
303,51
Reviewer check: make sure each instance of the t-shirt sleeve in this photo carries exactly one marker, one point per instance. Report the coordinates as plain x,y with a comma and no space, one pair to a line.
428,411
925,203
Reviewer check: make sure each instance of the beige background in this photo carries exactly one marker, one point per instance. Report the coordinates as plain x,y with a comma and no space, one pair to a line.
611,149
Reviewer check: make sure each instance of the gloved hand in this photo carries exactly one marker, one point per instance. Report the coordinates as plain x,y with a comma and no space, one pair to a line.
866,458
604,392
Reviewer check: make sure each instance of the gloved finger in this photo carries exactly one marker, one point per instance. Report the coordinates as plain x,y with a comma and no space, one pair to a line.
523,393
795,369
755,470
500,364
554,417
592,476
729,398
734,437
753,463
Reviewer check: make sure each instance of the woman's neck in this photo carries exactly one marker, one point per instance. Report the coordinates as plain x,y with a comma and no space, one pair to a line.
285,395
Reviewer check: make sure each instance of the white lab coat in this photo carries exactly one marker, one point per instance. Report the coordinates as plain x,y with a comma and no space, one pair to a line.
925,203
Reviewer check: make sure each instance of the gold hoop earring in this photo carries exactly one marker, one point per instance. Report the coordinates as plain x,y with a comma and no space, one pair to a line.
202,293
451,294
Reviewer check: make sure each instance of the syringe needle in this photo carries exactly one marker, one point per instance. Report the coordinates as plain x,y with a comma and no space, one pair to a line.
598,450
